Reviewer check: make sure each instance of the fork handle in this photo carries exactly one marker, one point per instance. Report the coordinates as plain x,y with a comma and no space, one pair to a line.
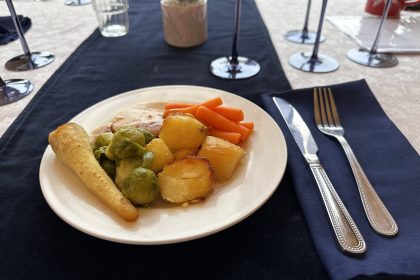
346,232
378,215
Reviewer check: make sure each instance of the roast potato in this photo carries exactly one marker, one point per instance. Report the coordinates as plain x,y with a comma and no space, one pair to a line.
162,154
186,179
224,156
182,131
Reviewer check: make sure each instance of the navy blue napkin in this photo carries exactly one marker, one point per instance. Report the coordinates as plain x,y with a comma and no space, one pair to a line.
7,29
389,161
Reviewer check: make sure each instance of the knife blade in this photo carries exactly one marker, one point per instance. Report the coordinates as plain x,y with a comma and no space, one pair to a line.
347,235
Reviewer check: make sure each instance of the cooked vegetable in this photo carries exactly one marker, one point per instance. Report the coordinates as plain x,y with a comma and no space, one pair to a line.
224,157
70,142
103,139
249,125
107,164
147,135
140,186
181,131
170,106
126,142
233,114
185,179
148,159
162,154
211,103
185,152
124,168
232,137
218,121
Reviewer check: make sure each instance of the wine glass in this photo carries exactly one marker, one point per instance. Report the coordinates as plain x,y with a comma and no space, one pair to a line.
29,60
303,36
13,90
314,62
235,67
76,2
371,57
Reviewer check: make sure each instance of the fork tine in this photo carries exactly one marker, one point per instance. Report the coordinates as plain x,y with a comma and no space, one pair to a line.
322,109
334,108
327,107
316,108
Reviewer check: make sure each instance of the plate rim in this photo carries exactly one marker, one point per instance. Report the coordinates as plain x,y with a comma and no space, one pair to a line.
118,239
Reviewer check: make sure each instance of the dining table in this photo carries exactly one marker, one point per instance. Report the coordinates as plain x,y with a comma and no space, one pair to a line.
279,240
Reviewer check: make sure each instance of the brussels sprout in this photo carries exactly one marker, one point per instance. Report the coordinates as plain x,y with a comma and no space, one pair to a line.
148,158
107,164
147,135
140,186
124,167
122,147
133,134
103,139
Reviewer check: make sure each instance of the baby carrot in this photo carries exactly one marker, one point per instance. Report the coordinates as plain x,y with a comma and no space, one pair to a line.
170,106
233,114
249,125
220,122
232,137
214,102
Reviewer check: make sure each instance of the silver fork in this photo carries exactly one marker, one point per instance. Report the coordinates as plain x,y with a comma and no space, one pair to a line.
328,122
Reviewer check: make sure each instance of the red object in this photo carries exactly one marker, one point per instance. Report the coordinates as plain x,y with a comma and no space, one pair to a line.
376,7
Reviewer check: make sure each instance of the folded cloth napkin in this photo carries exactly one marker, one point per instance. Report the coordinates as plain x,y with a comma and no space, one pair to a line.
392,166
7,29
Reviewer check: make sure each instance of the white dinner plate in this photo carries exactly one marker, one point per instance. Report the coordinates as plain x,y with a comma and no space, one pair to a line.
251,186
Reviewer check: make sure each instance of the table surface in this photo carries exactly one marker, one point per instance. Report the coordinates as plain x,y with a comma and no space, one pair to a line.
61,29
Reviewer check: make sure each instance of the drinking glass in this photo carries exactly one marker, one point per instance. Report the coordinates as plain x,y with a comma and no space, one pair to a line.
13,90
112,17
76,2
235,67
314,62
28,60
371,57
303,36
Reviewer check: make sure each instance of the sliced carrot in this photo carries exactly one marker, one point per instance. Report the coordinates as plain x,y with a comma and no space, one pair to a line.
249,125
233,114
232,137
211,103
170,106
220,122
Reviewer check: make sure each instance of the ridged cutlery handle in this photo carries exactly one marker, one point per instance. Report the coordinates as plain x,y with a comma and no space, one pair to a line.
346,232
376,212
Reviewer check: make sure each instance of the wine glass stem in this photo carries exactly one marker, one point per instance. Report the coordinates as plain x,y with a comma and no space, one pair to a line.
375,45
305,25
318,34
18,28
234,59
2,83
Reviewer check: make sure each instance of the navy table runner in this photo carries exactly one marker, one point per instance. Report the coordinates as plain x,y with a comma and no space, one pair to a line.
7,29
392,166
36,244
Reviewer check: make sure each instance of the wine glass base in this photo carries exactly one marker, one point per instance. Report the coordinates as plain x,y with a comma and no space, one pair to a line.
223,68
298,37
304,62
364,57
25,63
14,90
76,2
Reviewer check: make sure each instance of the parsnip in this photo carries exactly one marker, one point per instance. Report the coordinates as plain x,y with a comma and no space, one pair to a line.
70,142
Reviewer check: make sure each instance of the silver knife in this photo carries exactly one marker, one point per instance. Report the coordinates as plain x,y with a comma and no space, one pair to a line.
346,232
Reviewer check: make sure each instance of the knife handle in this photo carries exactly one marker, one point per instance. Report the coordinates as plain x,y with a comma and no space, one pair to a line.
346,232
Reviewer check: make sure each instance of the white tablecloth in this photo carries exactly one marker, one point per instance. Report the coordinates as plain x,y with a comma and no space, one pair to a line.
60,29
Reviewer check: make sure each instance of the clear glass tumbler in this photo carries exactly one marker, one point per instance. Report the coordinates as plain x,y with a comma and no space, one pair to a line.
112,17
